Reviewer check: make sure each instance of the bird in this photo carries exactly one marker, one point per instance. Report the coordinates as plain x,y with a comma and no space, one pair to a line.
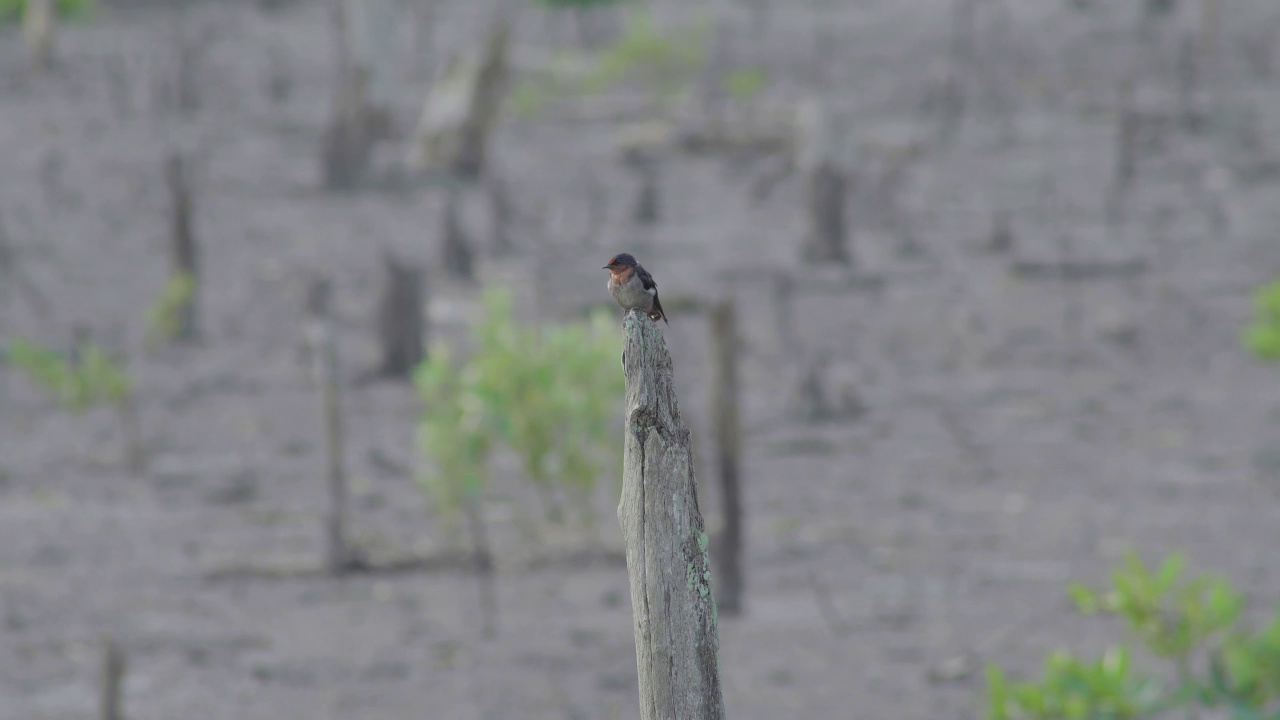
633,287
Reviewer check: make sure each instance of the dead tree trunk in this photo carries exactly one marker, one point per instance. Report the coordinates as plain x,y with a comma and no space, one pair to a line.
183,253
12,271
1126,154
825,188
400,319
135,449
647,209
1189,82
453,129
728,431
324,363
502,213
824,240
109,699
356,125
783,296
459,259
677,641
482,557
39,30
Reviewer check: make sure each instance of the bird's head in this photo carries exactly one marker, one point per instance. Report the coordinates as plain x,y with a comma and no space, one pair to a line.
620,263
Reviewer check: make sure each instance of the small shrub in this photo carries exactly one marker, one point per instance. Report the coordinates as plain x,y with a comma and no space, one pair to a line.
1195,625
664,65
1263,334
546,393
12,10
746,84
93,379
169,319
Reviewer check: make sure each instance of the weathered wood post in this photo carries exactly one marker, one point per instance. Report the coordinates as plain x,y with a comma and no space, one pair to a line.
39,29
112,681
458,258
401,321
324,369
184,255
825,188
674,611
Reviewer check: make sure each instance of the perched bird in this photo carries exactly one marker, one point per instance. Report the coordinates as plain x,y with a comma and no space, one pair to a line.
633,287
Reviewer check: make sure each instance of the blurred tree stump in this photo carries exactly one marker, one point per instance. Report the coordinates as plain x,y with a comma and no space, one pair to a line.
357,121
184,255
647,208
825,189
401,330
677,640
459,258
39,30
339,555
110,703
352,133
725,348
502,211
453,130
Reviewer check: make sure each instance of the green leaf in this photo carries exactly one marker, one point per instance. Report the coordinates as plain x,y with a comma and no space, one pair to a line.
744,85
1262,336
1086,600
166,320
997,694
1170,570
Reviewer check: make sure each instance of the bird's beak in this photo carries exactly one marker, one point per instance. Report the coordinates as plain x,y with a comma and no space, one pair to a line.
606,267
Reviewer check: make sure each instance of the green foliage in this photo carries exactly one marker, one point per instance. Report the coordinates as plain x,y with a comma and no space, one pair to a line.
167,320
453,430
11,10
95,380
546,393
1195,624
664,64
746,84
1072,688
1263,334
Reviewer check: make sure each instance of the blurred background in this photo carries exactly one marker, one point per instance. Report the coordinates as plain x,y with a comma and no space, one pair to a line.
310,404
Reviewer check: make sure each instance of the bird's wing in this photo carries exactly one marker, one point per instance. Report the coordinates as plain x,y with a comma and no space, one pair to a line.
646,280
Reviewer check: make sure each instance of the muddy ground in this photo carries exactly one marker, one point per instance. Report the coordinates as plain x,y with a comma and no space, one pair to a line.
1016,432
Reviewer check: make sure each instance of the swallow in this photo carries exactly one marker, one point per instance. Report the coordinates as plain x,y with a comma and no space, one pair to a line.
633,287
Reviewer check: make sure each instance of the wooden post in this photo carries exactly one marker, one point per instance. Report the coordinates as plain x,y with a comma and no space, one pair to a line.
728,432
503,212
824,241
677,643
356,123
183,255
324,359
400,319
482,560
825,238
1001,238
112,680
459,259
1126,154
39,29
647,209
